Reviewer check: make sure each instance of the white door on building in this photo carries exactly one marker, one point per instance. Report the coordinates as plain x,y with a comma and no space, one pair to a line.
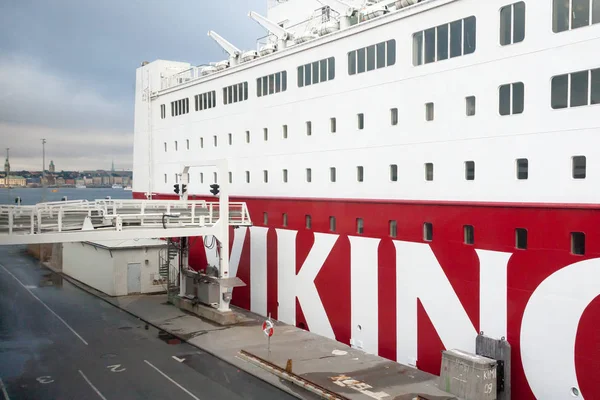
134,281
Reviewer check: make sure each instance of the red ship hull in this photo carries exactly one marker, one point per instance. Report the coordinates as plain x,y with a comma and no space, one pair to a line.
528,276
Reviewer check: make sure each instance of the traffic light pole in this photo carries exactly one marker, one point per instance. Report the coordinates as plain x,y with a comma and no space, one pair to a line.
223,239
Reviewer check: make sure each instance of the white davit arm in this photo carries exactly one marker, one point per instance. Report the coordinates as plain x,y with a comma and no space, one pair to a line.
340,6
233,51
271,26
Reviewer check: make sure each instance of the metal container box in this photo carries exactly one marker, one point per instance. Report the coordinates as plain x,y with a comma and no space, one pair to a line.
468,376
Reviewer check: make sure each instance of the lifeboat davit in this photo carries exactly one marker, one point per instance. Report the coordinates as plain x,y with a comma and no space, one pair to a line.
269,48
249,56
328,27
405,3
221,65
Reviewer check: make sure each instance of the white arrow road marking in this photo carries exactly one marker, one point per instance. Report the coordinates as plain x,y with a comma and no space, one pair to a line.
44,304
92,386
178,359
172,381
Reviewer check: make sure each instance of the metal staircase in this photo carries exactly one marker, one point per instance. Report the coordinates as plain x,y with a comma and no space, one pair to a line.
168,272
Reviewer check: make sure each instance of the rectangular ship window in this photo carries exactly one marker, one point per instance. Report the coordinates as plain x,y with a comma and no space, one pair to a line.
333,125
332,174
265,134
394,173
165,178
308,175
215,140
521,238
230,136
247,176
470,170
429,112
308,221
429,171
360,226
266,176
469,234
165,147
445,41
285,131
265,218
308,128
522,169
285,175
360,174
247,136
361,121
428,231
187,144
394,116
230,177
284,220
332,224
579,167
201,143
578,243
372,57
471,105
201,177
393,225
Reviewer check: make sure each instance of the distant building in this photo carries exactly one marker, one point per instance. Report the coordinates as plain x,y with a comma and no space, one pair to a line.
88,181
118,180
97,181
60,181
51,167
106,180
14,181
69,181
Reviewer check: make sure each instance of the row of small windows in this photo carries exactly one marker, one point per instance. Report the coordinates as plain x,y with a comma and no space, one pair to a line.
316,72
573,14
445,41
373,57
271,84
576,89
577,241
235,93
578,171
206,100
163,111
180,107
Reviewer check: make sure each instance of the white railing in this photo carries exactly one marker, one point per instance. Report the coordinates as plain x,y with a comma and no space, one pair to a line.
115,216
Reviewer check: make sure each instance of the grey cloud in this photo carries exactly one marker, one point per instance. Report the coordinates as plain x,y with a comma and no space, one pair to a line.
67,68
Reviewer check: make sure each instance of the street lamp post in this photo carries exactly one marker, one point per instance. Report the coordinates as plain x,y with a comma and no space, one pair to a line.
43,170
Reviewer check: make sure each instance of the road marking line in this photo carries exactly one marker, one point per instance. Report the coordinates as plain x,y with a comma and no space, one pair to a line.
44,304
4,392
172,381
178,359
91,385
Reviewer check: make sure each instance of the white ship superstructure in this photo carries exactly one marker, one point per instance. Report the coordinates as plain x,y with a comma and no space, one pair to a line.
418,172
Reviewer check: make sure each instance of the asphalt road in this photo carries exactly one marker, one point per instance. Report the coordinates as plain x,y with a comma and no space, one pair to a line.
59,342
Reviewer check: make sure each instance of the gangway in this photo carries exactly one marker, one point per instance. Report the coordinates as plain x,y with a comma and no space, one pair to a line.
78,221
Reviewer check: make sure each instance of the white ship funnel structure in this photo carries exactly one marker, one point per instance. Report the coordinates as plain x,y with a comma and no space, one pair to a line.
282,34
234,52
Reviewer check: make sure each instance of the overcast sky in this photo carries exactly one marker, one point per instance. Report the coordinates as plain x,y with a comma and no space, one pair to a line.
67,69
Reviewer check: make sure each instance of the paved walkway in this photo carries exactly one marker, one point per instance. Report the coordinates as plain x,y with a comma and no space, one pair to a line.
349,372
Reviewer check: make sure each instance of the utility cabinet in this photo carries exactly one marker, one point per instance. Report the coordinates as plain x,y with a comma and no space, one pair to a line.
468,376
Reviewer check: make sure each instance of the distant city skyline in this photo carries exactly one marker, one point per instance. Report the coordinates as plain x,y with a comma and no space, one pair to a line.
67,70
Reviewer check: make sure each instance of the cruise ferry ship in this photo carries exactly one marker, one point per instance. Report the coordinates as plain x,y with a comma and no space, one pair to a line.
417,172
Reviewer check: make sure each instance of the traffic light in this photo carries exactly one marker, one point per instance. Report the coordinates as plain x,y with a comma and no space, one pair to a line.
214,189
176,188
183,188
